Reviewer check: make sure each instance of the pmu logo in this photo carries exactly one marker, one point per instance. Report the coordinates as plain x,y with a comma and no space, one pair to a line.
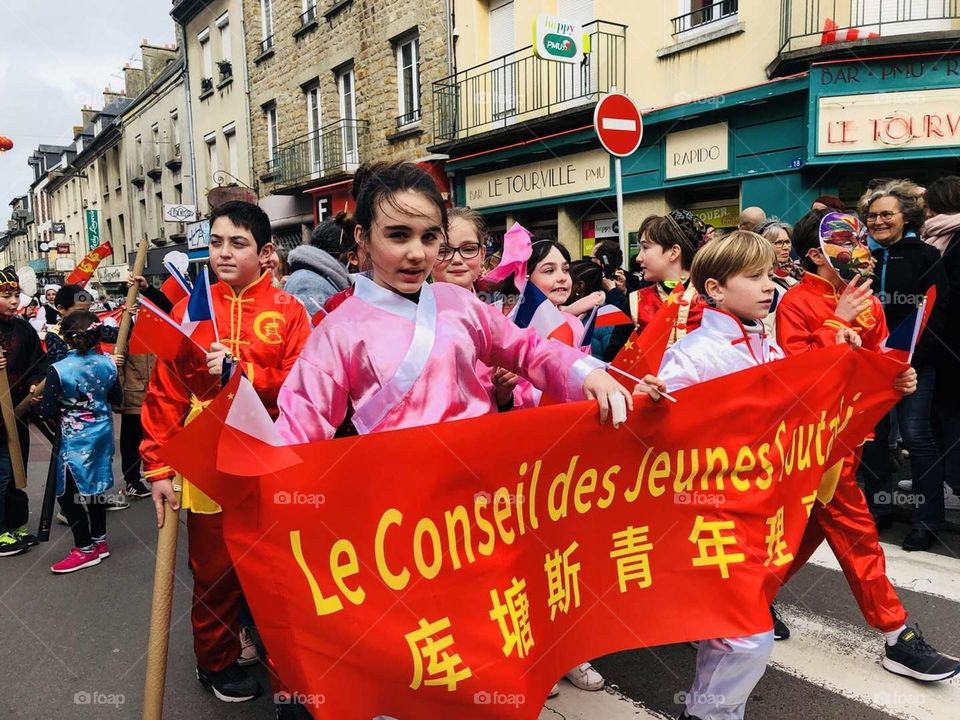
560,45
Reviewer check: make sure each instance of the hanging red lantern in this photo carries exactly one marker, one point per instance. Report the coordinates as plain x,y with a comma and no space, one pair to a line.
5,143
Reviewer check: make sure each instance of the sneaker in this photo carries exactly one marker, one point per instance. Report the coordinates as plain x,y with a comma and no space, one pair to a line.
10,544
27,537
912,657
780,629
919,539
103,550
950,499
62,519
695,644
585,677
554,691
138,489
290,710
117,502
77,559
248,648
905,485
231,684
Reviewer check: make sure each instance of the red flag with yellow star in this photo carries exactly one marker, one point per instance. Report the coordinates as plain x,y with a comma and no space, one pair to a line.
643,352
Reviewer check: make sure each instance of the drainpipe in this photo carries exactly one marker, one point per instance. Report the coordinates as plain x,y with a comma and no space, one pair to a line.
186,89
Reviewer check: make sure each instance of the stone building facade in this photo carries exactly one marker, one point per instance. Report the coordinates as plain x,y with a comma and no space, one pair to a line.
333,85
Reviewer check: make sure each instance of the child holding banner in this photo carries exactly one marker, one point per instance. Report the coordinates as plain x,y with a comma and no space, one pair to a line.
79,391
263,330
734,275
809,315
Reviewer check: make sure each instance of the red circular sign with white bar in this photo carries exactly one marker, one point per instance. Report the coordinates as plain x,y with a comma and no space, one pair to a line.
618,124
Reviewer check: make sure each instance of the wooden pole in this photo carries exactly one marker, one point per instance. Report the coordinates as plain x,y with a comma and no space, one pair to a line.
123,335
13,436
158,644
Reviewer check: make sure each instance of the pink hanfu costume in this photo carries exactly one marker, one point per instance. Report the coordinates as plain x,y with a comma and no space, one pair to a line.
387,362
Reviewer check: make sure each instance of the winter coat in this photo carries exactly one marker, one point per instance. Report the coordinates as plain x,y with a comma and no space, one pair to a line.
315,276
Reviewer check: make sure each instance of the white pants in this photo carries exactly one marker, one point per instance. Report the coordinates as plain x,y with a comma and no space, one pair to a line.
727,671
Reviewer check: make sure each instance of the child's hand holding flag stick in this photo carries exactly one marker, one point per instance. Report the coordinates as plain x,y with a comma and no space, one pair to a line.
650,385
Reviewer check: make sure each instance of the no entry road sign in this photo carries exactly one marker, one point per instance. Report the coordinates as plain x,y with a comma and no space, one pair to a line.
618,124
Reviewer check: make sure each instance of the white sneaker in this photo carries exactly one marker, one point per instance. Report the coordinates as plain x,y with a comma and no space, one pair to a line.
248,648
906,486
62,519
950,500
585,677
117,502
554,691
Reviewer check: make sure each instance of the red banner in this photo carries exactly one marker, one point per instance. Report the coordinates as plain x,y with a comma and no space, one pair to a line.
458,570
85,268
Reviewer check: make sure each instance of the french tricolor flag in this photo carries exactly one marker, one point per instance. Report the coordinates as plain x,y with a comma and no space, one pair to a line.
199,321
605,316
536,311
902,341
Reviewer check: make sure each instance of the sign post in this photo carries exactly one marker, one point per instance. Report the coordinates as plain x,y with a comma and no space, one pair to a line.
93,228
618,125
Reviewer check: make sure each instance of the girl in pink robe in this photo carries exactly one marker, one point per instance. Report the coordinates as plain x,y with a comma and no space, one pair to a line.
401,353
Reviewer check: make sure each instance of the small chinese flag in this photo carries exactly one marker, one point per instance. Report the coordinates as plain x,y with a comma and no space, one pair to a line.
643,352
84,270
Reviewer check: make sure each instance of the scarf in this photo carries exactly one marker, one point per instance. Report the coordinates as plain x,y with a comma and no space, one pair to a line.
938,230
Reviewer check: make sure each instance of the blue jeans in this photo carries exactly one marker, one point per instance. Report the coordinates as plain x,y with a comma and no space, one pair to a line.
914,413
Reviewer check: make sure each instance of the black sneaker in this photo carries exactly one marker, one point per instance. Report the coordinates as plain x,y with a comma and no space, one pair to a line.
289,709
780,629
25,536
231,685
137,489
10,544
912,657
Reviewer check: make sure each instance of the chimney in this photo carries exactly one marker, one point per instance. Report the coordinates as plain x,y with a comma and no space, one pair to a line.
87,114
77,129
110,96
134,80
155,60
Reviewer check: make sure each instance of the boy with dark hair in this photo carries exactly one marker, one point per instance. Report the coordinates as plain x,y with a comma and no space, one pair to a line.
71,299
25,364
810,316
263,330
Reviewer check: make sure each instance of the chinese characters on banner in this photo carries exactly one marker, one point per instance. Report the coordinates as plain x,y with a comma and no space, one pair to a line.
458,570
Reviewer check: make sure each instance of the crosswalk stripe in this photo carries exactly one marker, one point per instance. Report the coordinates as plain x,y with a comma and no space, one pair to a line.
845,659
930,573
609,704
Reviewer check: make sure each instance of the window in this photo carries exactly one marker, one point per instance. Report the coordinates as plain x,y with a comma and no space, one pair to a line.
697,13
206,53
313,127
502,34
175,130
266,24
270,113
155,132
223,23
212,163
233,155
309,13
348,115
408,80
139,158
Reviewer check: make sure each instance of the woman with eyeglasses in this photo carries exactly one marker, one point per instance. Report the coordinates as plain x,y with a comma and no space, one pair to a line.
906,267
786,272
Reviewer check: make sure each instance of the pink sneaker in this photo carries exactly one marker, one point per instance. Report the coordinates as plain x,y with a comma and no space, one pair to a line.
101,548
76,560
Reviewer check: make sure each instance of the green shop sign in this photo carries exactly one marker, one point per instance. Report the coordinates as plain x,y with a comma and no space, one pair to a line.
93,228
557,40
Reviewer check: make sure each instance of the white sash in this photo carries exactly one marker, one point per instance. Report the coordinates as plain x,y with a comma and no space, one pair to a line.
370,414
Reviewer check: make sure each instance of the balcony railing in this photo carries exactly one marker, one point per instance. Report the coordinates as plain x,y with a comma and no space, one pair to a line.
335,148
266,44
520,86
308,16
705,16
408,118
807,24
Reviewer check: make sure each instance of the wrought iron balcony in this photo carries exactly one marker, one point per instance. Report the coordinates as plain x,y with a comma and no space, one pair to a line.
705,16
807,25
520,86
333,149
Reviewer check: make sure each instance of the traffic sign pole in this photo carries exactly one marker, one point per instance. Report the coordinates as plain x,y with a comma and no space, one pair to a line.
621,226
619,127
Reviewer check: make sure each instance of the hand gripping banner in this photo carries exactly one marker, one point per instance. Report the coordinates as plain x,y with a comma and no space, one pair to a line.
458,570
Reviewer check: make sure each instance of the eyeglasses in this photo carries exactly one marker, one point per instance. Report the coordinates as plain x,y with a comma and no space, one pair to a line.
781,243
886,216
467,251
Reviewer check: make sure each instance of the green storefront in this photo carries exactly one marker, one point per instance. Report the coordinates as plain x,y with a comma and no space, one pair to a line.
778,145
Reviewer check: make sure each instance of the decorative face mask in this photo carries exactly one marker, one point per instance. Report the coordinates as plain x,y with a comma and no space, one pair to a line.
843,242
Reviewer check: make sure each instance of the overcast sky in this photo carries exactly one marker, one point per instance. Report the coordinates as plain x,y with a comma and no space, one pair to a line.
57,55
